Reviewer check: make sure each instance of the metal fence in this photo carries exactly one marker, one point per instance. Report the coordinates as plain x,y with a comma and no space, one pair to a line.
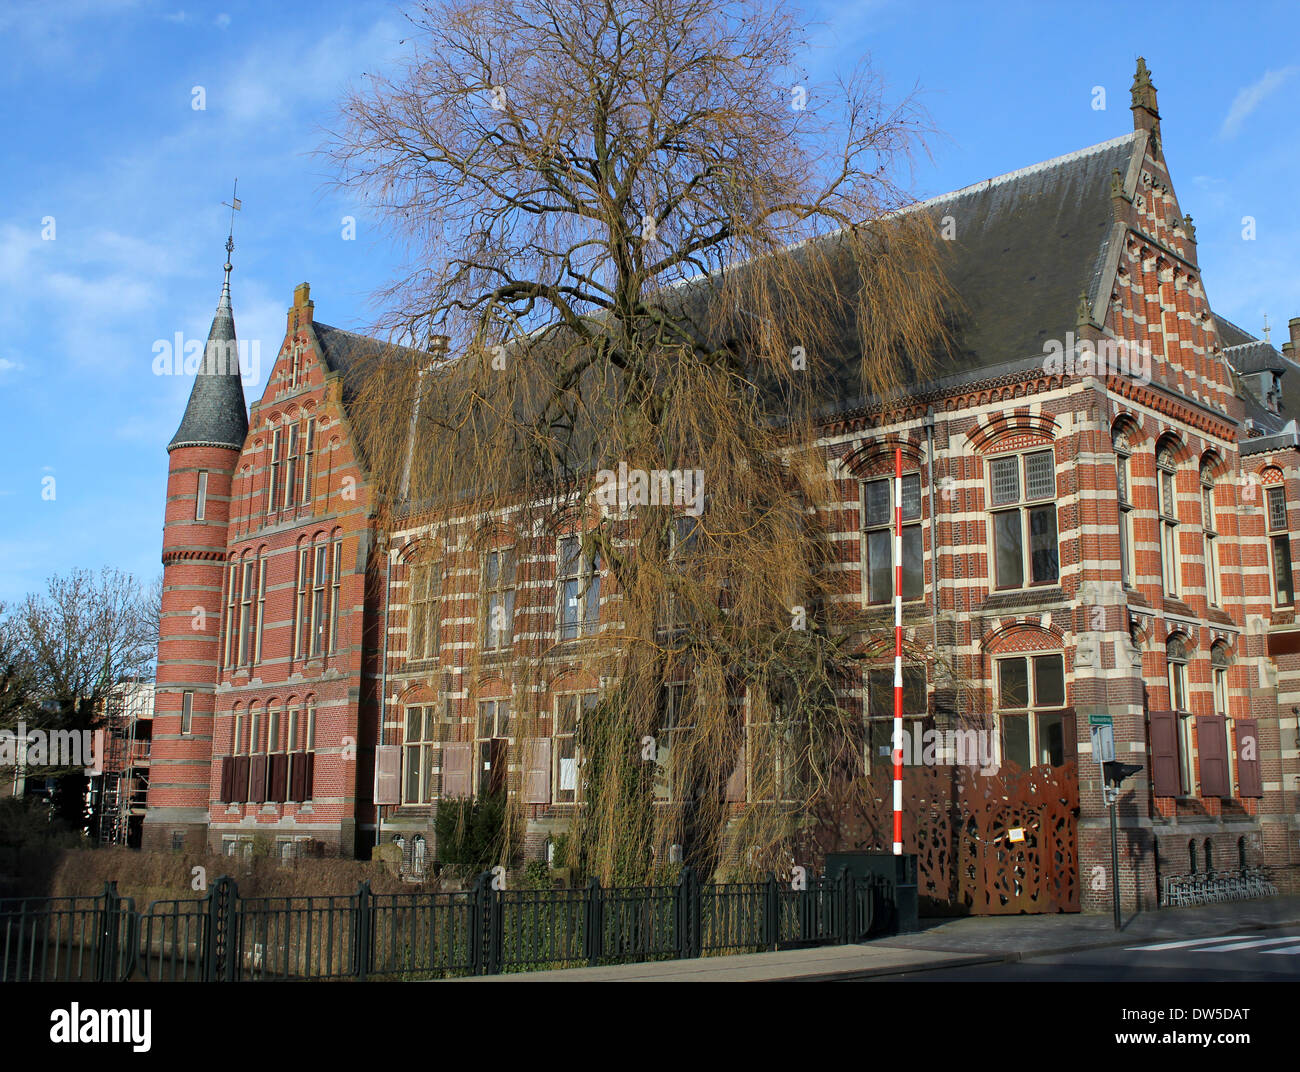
1211,887
223,936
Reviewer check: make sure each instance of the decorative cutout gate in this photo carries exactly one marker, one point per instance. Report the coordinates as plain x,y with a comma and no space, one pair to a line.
958,822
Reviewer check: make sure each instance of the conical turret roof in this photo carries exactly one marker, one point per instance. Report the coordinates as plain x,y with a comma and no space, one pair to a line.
216,415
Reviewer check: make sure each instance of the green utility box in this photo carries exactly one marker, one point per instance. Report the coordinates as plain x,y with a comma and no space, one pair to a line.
893,882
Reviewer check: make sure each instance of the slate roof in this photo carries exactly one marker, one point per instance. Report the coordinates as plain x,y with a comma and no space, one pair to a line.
1256,356
216,415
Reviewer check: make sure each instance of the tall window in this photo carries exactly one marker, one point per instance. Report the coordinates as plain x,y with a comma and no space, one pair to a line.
1279,540
201,496
498,600
187,712
675,726
232,611
878,524
569,709
291,469
491,743
774,758
1123,473
683,539
255,728
238,746
336,580
273,723
302,619
247,611
273,487
880,711
320,581
1219,664
1023,508
421,735
1176,660
308,456
261,605
422,611
578,581
1031,694
1166,479
1211,536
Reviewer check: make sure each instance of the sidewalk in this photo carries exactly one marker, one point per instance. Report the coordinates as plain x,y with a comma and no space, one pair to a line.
943,944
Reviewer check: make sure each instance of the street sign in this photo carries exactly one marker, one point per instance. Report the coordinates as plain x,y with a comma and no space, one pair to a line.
1101,720
1103,742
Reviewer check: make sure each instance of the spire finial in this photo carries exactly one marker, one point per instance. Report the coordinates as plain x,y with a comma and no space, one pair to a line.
234,204
1268,331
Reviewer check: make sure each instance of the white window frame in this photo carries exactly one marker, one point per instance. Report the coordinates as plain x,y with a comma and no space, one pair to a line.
881,489
1025,507
499,574
1036,707
201,496
1167,519
582,702
582,572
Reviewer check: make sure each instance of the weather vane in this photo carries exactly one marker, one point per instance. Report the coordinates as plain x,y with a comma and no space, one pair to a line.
234,204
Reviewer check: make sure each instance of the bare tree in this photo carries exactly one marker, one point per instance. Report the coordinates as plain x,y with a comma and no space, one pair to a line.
649,241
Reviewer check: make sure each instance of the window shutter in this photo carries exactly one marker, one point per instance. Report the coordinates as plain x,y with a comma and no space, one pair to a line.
309,773
1248,776
537,771
1164,754
457,763
239,786
227,778
256,779
388,774
298,776
278,781
1070,735
1212,748
735,791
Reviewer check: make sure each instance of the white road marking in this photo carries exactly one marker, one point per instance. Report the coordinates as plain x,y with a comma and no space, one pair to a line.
1186,944
1259,943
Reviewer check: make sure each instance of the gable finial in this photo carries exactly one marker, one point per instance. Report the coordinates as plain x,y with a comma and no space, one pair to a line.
1268,331
1146,116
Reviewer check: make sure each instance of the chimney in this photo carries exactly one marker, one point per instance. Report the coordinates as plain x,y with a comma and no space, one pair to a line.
301,313
1292,349
1145,114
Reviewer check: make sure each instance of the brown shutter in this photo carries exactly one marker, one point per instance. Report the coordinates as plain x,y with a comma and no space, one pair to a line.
256,779
735,789
457,769
1070,733
279,777
309,775
298,776
388,774
537,770
1163,726
1212,750
1248,776
239,786
227,778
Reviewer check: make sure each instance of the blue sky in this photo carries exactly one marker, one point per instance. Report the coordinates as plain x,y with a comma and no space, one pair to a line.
100,133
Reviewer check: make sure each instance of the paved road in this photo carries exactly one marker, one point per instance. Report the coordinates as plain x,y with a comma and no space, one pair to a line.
1270,956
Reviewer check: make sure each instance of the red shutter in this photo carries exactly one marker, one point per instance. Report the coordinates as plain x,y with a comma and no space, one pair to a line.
278,780
735,789
1212,749
227,778
239,786
298,776
388,774
537,770
1163,726
457,769
1249,783
256,779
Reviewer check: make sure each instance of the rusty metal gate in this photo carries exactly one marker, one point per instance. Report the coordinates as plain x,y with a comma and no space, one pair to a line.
998,844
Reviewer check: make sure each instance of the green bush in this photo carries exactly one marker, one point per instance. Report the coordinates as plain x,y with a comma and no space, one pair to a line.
470,834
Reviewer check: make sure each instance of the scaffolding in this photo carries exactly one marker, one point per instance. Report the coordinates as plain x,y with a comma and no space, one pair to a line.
127,726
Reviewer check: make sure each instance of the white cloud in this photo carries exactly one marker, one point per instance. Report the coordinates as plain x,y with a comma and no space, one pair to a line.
221,21
11,366
1250,98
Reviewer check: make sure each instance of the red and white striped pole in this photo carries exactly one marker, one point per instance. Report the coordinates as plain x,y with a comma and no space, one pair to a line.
898,651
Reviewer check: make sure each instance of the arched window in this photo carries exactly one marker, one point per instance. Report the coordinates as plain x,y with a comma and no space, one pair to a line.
878,538
1279,539
1241,853
1030,692
1210,532
423,623
1176,661
1209,855
1167,509
1123,482
1191,853
1022,515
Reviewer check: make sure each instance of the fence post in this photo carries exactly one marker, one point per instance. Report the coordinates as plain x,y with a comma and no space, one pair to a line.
848,908
221,945
361,931
688,915
595,922
771,912
485,942
106,944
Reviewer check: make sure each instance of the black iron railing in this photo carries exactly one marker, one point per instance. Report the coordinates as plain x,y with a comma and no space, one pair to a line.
224,937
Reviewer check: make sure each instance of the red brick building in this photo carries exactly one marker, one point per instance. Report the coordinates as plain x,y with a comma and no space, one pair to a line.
1093,527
